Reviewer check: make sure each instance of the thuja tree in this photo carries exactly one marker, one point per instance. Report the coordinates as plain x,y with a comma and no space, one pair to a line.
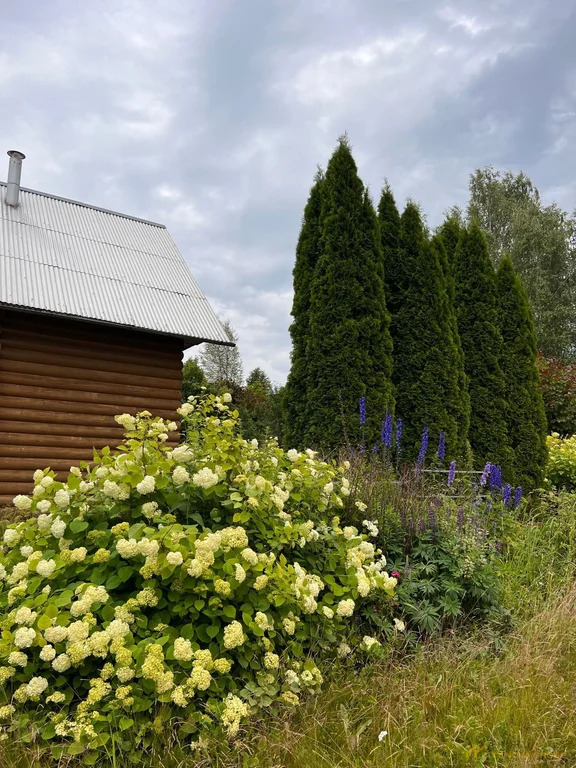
450,232
424,351
526,416
349,350
307,254
458,398
394,274
477,307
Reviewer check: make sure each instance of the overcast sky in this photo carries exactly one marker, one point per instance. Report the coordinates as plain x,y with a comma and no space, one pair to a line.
211,116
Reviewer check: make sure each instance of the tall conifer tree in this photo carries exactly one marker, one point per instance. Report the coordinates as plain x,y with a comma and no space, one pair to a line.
424,352
450,232
526,416
389,220
307,255
459,402
477,306
349,350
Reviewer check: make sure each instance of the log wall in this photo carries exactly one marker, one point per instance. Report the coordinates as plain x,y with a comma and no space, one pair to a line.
63,381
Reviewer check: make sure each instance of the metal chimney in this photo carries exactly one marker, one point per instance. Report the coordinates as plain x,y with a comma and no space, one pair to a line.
14,171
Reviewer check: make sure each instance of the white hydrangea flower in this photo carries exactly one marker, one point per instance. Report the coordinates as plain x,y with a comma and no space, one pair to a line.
43,506
345,608
46,568
61,663
369,642
147,485
56,634
23,503
48,653
233,635
371,527
24,637
11,537
26,551
328,612
25,616
38,475
127,548
61,498
205,478
344,650
183,649
185,409
58,528
175,558
180,476
127,421
17,659
292,454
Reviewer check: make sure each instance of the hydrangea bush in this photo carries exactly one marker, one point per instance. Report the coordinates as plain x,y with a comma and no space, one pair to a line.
171,589
561,467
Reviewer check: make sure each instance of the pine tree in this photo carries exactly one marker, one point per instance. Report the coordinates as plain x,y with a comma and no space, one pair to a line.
526,417
424,351
477,312
307,255
350,350
459,403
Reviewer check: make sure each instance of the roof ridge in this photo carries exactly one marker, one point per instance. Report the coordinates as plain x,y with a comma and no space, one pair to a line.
87,205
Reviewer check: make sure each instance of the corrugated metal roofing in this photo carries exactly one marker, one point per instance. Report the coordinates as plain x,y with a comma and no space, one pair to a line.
68,258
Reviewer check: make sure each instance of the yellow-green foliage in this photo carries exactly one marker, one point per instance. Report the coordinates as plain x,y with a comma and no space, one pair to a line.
561,469
163,591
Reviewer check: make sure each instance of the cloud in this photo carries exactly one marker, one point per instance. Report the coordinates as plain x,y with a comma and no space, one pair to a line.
212,117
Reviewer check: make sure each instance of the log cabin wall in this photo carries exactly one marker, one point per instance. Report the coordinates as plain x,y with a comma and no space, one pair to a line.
61,384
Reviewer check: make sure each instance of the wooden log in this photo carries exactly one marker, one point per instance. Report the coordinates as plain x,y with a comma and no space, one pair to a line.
17,475
77,361
73,374
61,441
94,388
16,463
81,401
46,427
43,455
12,488
55,417
170,359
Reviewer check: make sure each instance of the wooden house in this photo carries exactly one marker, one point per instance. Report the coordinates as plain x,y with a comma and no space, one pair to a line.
96,309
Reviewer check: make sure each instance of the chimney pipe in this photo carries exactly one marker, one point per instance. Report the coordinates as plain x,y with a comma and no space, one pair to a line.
14,171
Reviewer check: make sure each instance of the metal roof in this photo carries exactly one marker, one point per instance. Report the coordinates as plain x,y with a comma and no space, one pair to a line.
69,258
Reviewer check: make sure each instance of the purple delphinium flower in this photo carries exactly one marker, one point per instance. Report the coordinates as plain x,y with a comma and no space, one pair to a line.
496,477
451,473
387,431
499,546
517,496
442,446
398,435
485,474
362,406
423,448
422,526
507,495
460,518
432,517
375,449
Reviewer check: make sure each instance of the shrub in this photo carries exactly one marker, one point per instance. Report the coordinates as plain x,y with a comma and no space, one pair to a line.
558,380
561,469
167,590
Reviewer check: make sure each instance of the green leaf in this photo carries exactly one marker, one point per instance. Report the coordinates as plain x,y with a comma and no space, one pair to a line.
76,526
213,631
125,722
229,611
44,622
